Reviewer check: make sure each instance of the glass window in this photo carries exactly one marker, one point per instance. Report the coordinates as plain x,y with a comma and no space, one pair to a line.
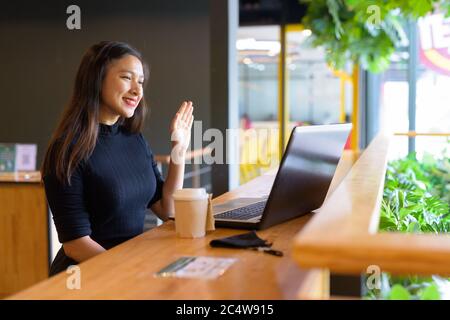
433,83
394,103
432,90
313,89
258,57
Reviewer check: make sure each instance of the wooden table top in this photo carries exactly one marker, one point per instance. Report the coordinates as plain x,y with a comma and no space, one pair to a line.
22,176
127,271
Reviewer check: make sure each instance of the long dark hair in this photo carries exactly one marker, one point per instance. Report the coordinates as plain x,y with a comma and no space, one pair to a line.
75,137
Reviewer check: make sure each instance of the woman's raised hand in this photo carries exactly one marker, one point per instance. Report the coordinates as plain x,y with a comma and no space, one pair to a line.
180,129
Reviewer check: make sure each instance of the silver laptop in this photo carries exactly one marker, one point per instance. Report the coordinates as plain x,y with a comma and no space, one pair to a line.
301,184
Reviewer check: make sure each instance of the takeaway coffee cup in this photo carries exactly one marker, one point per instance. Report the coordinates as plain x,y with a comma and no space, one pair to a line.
191,208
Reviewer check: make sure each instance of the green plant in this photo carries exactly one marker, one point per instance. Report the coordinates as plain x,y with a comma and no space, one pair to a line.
366,32
416,199
409,288
414,194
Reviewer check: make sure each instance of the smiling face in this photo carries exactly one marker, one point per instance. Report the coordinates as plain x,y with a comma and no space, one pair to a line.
121,89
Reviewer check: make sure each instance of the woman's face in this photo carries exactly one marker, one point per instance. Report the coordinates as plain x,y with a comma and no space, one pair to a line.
121,89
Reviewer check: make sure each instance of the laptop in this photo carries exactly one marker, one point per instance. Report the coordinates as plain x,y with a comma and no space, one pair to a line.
301,184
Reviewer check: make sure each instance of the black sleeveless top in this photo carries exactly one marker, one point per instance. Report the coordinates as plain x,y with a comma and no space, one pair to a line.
109,193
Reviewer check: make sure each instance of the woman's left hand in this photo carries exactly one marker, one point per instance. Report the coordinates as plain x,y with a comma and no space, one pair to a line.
180,129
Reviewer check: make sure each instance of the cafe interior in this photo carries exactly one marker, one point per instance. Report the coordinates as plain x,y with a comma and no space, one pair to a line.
335,113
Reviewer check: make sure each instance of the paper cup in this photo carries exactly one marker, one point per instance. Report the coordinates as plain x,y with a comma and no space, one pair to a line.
191,207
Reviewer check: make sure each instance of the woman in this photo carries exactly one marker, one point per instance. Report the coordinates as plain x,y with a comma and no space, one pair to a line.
99,173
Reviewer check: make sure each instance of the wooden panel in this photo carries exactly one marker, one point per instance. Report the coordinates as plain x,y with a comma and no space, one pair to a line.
344,237
23,236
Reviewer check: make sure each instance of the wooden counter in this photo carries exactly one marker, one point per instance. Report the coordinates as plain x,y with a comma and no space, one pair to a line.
24,177
24,257
127,271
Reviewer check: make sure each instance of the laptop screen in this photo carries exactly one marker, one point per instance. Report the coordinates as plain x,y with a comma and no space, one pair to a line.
306,171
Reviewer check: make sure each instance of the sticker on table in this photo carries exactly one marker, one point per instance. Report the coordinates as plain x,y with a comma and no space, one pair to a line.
196,267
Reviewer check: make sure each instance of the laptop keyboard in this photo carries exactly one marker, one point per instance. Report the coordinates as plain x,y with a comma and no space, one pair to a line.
244,213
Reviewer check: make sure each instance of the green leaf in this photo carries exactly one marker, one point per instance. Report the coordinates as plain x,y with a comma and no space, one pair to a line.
387,224
422,7
431,293
353,3
398,292
413,227
404,212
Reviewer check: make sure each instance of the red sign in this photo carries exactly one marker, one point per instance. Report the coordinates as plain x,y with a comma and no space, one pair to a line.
434,35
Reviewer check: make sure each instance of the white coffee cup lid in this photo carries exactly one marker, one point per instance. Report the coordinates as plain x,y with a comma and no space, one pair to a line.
190,194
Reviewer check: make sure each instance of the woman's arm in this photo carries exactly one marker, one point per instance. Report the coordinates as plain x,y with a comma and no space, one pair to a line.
180,130
174,181
70,215
82,249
